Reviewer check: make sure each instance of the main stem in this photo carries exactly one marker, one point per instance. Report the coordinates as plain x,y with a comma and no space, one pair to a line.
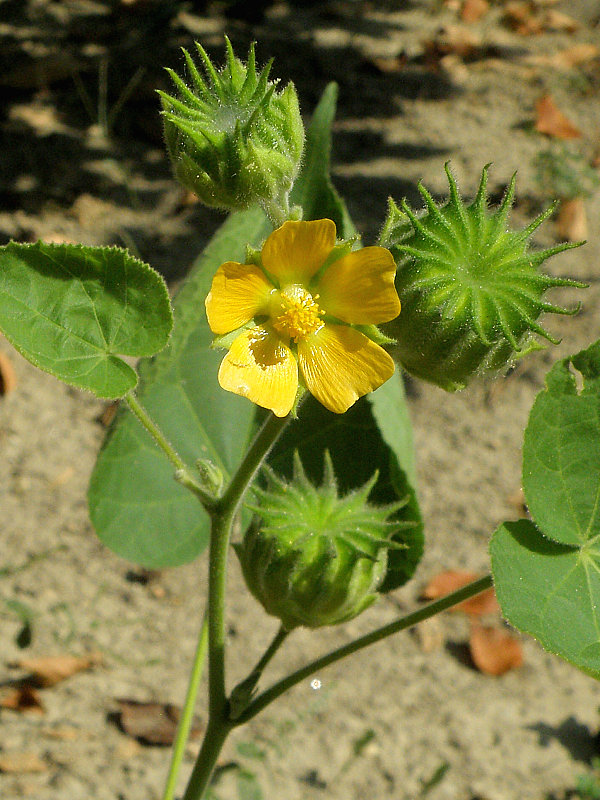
223,514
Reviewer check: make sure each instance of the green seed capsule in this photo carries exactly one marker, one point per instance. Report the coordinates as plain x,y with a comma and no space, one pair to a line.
470,288
314,558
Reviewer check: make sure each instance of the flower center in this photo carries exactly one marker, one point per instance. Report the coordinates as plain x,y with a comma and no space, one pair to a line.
295,313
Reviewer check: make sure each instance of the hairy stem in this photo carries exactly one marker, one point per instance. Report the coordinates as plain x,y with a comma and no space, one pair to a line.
239,699
430,610
214,738
182,474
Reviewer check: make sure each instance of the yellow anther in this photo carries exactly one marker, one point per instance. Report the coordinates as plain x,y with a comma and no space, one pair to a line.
295,313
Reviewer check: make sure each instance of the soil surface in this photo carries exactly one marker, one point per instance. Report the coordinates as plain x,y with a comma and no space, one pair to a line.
82,161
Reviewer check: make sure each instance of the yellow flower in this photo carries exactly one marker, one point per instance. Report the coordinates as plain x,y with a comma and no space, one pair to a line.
304,309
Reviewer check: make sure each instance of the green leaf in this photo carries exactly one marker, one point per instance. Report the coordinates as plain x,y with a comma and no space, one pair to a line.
313,189
71,310
390,411
137,508
547,574
550,590
358,448
561,451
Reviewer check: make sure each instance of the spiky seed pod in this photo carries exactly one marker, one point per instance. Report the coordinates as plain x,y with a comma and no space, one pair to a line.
233,138
315,558
470,287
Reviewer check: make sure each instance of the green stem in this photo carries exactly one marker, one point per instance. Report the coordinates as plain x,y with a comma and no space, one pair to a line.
223,513
182,474
278,640
277,211
161,440
239,698
214,738
187,714
430,610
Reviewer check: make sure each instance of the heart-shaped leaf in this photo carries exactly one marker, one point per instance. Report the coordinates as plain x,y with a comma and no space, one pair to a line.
547,574
72,310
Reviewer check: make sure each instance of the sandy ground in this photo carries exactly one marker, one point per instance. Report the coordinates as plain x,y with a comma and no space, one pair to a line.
528,734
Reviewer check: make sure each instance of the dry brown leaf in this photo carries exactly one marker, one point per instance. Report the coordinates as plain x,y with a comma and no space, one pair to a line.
386,65
571,220
520,17
49,670
21,762
551,120
557,21
8,379
445,582
567,59
64,733
62,477
151,723
578,54
109,413
454,39
22,698
494,651
473,10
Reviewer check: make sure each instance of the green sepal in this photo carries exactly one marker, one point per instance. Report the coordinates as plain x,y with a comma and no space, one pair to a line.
224,341
375,334
397,226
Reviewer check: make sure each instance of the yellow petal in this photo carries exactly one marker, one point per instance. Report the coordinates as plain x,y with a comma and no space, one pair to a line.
340,364
359,288
238,293
262,368
294,252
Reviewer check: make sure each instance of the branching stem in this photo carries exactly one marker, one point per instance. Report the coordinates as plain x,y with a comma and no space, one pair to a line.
430,610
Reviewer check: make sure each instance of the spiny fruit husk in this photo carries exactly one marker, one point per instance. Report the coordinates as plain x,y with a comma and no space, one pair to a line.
233,139
470,288
314,558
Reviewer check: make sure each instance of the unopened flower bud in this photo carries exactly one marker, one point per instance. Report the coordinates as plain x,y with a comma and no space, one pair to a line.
470,288
233,139
315,558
